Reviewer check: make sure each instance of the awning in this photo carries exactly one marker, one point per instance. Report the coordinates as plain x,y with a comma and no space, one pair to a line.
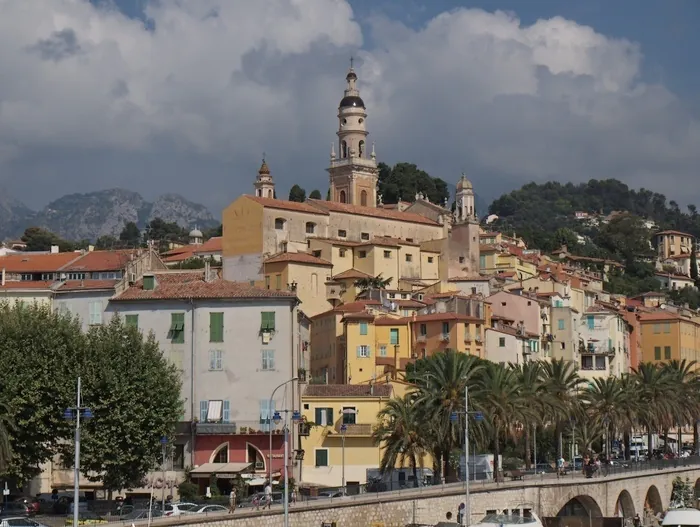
221,470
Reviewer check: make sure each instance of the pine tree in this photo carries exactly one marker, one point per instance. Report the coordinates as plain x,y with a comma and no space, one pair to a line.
297,194
315,194
694,263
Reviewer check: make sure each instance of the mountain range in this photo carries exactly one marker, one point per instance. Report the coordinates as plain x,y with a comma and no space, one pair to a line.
102,213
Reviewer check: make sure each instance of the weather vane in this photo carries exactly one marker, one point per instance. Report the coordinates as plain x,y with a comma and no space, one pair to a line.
352,61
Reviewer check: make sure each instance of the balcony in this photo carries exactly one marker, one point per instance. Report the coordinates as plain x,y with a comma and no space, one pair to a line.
421,338
478,339
467,337
384,361
213,429
445,337
593,349
354,430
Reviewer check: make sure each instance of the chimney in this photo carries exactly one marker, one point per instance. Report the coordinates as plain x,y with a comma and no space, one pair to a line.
2,277
91,248
207,274
54,249
149,282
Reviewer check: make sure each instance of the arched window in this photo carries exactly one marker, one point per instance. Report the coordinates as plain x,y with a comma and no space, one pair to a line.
314,283
279,223
310,227
260,193
362,148
220,455
343,149
363,198
270,193
342,196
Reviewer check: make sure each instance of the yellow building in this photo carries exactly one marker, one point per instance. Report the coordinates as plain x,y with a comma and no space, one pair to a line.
673,243
328,449
498,259
668,336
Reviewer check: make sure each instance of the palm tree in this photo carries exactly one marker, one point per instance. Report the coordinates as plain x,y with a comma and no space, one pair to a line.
373,282
399,431
441,381
608,403
682,375
654,394
5,430
561,382
531,389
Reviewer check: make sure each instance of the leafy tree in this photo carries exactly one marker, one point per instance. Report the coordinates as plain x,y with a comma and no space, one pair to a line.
404,180
315,194
296,193
164,233
694,262
683,494
6,427
130,235
214,232
38,239
134,395
373,282
328,195
687,295
107,242
36,396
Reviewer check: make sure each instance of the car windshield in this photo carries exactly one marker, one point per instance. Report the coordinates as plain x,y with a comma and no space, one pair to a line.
20,522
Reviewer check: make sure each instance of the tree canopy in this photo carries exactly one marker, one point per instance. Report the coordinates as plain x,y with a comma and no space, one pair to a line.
164,233
126,383
39,239
404,180
296,193
315,194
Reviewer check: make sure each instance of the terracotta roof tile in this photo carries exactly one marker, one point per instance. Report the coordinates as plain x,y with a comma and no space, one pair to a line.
389,241
348,390
212,245
446,316
304,258
675,232
350,273
26,284
361,315
178,257
350,307
389,321
407,304
36,263
388,214
192,285
338,241
271,203
102,261
86,285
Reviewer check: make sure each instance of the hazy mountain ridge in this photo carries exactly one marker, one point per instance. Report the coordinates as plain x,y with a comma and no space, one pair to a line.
102,213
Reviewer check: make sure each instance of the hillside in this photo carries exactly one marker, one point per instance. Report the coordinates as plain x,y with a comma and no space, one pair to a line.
539,213
103,213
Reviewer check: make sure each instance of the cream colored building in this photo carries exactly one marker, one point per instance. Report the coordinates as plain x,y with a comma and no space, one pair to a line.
673,243
353,232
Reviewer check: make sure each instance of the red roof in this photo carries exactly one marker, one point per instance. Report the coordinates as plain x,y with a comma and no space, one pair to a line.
298,258
388,321
26,284
348,390
102,261
179,256
446,316
387,214
350,307
350,273
87,285
281,204
36,263
192,285
212,245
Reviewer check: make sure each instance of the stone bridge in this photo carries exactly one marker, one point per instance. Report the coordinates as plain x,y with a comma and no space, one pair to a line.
625,493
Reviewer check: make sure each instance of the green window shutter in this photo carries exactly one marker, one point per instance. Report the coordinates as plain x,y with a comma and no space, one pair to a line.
318,416
177,328
363,328
329,416
132,321
657,352
369,351
394,336
267,320
216,327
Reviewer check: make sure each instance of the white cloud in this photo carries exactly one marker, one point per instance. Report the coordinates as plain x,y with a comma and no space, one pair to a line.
92,99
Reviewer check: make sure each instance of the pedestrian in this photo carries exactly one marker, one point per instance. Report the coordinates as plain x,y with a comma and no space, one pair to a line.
232,501
268,496
294,496
460,513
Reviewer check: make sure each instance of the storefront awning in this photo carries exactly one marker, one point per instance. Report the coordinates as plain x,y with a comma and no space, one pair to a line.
221,470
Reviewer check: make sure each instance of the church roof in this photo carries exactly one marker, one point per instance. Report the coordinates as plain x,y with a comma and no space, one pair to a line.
281,204
374,212
351,101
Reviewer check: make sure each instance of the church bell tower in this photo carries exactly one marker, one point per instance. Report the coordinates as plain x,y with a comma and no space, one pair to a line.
353,171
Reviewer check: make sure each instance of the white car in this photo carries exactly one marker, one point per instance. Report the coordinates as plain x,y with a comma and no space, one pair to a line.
209,509
178,509
20,522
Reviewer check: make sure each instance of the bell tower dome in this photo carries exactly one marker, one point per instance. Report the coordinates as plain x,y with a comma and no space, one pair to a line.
353,172
264,184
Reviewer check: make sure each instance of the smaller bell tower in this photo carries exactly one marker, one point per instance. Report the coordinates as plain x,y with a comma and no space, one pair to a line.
465,209
463,240
264,184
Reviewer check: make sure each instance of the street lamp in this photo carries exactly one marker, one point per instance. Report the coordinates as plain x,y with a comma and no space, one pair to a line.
269,409
343,429
164,443
70,414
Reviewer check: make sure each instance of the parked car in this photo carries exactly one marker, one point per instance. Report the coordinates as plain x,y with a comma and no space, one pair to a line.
209,509
19,522
18,508
178,509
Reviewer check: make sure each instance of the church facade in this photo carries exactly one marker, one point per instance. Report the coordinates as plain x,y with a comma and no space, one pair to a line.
279,243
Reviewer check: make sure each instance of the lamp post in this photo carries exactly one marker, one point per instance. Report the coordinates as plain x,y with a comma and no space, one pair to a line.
343,429
296,417
269,418
164,443
76,413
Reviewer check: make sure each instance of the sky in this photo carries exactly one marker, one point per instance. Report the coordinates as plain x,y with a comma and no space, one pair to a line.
182,96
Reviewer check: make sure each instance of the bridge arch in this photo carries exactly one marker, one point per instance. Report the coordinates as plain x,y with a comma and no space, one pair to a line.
625,505
652,501
581,505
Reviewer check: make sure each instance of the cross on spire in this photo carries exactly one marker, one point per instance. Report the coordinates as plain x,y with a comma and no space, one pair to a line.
263,157
352,61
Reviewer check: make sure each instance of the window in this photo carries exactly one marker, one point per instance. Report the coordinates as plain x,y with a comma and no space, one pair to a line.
394,336
561,324
216,360
590,319
132,321
657,352
323,416
216,327
321,457
657,329
77,276
423,329
461,259
278,282
587,362
363,328
279,223
387,254
341,253
362,254
349,415
430,259
482,261
177,328
266,413
342,196
267,322
501,342
600,363
382,350
316,253
445,327
667,327
222,455
267,282
178,457
364,235
363,352
342,233
95,307
558,303
268,360
310,227
667,352
409,257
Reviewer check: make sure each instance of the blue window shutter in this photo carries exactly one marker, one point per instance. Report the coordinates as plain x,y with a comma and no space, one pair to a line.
203,407
226,415
591,322
369,351
359,351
